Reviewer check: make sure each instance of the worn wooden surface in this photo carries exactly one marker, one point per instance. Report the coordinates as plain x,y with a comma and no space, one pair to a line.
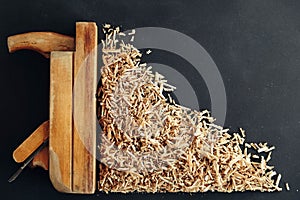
32,143
42,42
60,126
84,130
41,159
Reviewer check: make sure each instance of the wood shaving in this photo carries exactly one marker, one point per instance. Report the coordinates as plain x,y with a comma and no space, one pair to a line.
151,145
287,186
132,32
132,39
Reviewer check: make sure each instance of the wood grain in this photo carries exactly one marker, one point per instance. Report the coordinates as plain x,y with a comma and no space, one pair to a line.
84,129
60,126
42,42
32,143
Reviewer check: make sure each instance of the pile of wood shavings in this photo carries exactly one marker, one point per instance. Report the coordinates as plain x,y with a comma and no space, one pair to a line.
151,145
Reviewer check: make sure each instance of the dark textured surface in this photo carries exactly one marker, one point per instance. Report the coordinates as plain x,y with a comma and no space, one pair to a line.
255,44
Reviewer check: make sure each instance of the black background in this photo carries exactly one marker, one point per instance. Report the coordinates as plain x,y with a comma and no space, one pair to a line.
255,44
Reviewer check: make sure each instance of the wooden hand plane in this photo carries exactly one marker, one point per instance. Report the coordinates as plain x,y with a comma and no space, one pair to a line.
71,128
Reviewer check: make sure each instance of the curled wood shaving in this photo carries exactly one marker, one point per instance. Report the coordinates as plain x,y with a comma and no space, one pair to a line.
151,145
